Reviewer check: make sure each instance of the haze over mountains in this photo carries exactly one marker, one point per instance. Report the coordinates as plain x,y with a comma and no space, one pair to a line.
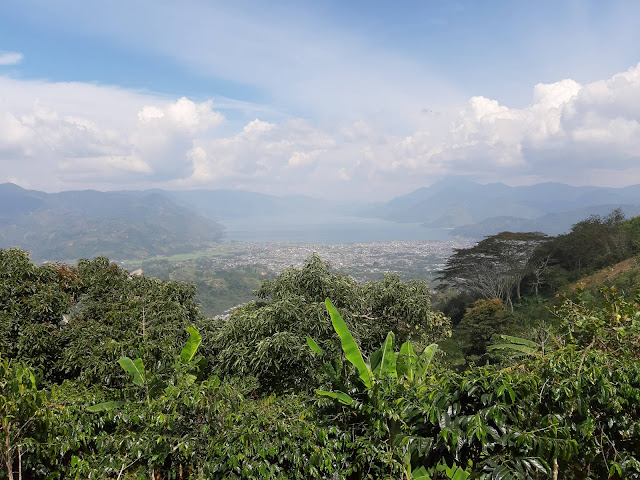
143,224
476,210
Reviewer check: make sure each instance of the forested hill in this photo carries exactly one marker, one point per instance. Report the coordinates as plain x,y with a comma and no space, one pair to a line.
84,224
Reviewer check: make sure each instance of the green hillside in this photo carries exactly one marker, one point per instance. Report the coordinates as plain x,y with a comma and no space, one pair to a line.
85,224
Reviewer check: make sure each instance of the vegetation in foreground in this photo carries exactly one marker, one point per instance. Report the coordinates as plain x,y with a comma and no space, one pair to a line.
107,375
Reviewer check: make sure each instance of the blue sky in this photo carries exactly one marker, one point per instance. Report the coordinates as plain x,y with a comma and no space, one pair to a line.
350,99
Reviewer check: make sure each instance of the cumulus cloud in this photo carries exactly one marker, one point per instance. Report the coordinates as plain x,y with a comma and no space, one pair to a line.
566,132
10,58
164,137
78,135
263,155
118,137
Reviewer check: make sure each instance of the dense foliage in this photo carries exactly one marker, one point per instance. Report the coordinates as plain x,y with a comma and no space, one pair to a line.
108,375
496,266
509,265
266,339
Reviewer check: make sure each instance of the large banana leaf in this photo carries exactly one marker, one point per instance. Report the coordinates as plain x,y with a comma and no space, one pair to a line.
191,347
104,406
420,474
514,348
349,346
428,353
340,396
519,341
135,368
385,360
425,360
407,360
517,345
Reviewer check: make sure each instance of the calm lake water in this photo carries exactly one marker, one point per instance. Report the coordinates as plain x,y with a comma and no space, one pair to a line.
327,229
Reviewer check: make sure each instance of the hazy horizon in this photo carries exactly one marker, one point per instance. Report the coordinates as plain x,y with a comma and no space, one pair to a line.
363,200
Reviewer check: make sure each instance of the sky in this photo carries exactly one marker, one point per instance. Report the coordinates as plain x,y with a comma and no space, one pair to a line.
361,100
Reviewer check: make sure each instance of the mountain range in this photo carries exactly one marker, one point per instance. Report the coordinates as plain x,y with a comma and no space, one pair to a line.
457,202
142,224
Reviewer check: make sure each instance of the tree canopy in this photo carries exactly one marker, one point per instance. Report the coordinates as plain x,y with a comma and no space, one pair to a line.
495,266
268,336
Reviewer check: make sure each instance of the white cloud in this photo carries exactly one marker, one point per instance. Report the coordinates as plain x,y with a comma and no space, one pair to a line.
301,63
564,134
303,159
57,135
264,156
74,135
10,58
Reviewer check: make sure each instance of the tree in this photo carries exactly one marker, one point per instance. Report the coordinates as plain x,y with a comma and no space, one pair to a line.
21,414
123,315
266,339
405,309
479,325
593,243
34,300
494,267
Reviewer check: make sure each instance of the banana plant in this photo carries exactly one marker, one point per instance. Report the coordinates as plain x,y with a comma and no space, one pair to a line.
404,365
517,346
454,472
384,368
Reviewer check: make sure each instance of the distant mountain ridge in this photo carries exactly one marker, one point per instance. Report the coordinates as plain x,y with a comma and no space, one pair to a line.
141,224
476,210
551,223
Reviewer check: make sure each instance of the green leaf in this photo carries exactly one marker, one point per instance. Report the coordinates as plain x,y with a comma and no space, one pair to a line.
539,466
459,474
425,360
387,364
135,368
407,358
104,406
314,346
515,348
191,347
333,374
420,474
520,341
340,396
429,352
375,359
349,346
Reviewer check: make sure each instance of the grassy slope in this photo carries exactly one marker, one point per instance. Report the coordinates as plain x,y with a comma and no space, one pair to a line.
624,275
